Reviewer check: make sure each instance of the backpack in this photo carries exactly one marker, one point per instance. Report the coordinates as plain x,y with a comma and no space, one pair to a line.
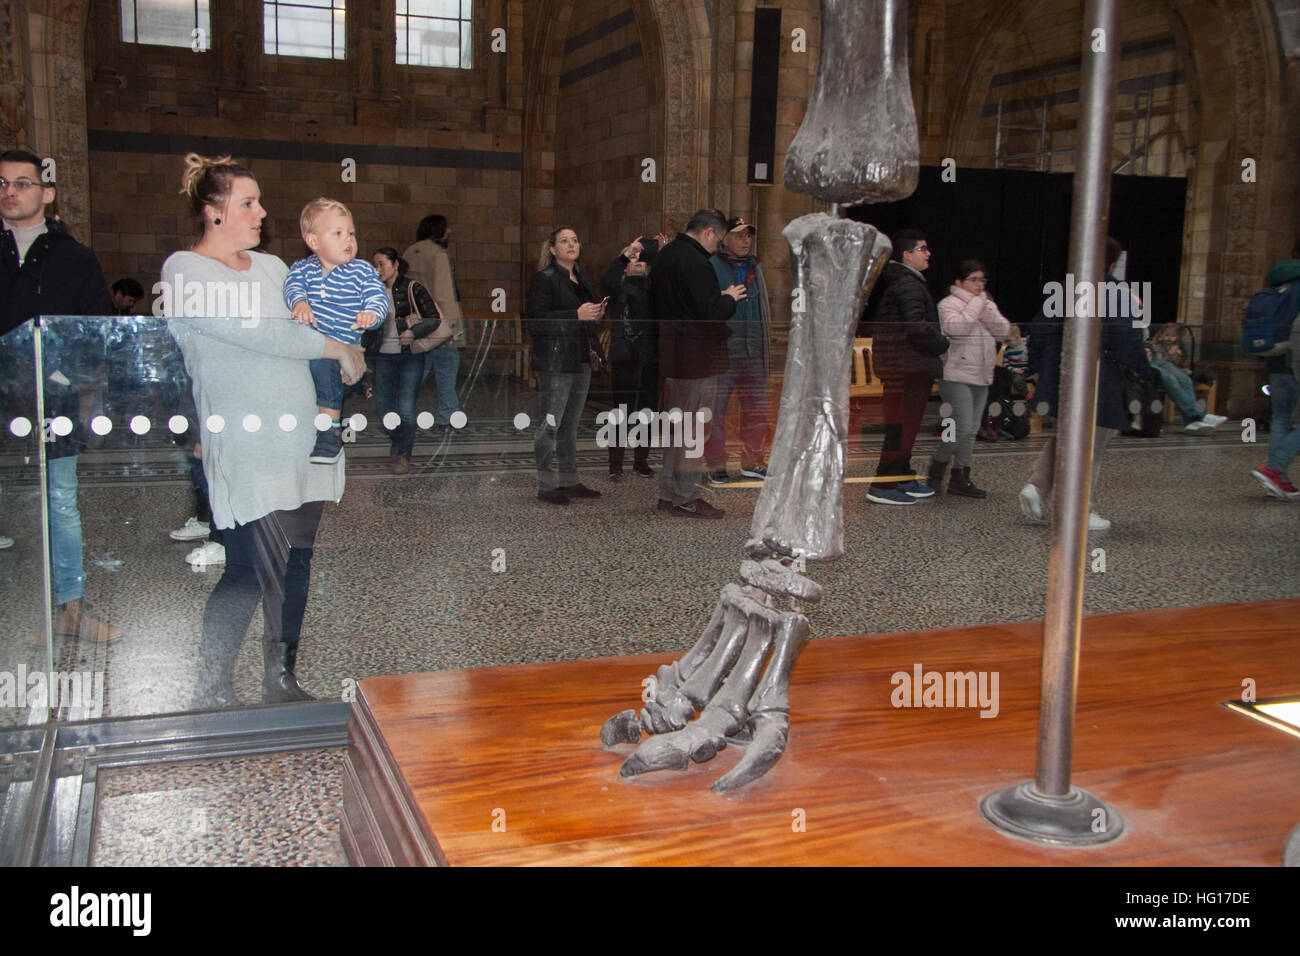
1269,315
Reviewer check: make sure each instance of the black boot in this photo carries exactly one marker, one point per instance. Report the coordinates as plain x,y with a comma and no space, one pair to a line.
280,684
960,484
935,476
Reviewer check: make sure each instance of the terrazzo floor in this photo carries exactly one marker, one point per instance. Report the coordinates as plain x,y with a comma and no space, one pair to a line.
458,565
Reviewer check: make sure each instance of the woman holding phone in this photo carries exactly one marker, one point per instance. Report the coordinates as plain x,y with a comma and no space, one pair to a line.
562,316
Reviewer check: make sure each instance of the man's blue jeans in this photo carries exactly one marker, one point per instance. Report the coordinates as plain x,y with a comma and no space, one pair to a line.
69,580
1283,438
444,363
397,382
1178,384
747,378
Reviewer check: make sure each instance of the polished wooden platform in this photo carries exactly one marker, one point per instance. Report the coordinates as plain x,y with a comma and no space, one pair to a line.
502,766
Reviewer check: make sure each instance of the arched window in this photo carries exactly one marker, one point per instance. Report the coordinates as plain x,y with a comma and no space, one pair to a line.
304,28
435,33
167,23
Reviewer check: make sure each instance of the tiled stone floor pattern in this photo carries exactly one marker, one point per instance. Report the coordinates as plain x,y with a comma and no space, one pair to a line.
278,809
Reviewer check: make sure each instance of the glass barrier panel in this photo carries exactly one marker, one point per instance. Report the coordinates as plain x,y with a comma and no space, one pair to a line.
25,665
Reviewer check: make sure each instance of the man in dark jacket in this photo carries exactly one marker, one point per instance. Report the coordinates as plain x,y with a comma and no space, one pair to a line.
693,315
905,349
44,271
1122,348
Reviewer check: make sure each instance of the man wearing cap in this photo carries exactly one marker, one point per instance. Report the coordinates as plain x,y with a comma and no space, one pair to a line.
749,334
693,314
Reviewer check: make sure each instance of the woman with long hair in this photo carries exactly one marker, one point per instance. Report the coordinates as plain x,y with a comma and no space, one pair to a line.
256,407
562,316
430,264
411,331
974,326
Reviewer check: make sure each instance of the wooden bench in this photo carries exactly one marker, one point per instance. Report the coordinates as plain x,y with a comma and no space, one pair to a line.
1207,392
505,334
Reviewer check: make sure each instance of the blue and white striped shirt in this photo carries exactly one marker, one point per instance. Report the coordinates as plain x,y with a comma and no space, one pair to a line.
336,298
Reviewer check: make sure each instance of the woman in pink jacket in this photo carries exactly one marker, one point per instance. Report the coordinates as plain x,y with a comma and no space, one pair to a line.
974,326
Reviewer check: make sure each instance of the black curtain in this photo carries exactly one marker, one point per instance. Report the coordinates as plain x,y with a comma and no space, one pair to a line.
1018,223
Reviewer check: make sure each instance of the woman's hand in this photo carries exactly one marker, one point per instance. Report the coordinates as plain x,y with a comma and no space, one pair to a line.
632,249
353,364
590,311
406,338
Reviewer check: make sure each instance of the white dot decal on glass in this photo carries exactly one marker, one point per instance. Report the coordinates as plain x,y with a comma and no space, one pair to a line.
522,421
358,422
252,423
675,416
424,420
550,420
20,427
995,408
392,420
61,426
1042,408
1017,408
288,422
1201,406
141,425
615,416
101,425
1157,406
322,422
945,410
458,420
178,424
215,424
1134,407
704,415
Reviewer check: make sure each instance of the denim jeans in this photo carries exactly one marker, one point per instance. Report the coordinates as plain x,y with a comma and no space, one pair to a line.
1178,384
747,378
328,381
1283,434
69,580
397,382
444,363
560,399
682,477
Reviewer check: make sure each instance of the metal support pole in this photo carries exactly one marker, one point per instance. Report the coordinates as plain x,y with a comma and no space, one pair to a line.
1049,809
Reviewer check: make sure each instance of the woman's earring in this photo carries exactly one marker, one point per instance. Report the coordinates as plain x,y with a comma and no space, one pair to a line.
216,221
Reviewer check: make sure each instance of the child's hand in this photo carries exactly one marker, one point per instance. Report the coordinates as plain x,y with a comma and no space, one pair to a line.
302,312
366,319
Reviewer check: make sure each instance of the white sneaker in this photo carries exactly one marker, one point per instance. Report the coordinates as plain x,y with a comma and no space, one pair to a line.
1214,421
1097,523
193,530
1198,426
5,542
1031,503
205,554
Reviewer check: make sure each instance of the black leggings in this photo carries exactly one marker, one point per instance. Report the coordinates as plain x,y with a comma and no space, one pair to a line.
267,559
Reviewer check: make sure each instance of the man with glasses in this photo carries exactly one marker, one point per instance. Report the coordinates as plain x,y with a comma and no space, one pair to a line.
905,351
44,271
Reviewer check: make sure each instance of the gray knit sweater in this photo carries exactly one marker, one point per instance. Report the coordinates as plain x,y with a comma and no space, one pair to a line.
253,374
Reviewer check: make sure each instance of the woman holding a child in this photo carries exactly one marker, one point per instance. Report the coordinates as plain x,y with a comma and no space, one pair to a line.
256,404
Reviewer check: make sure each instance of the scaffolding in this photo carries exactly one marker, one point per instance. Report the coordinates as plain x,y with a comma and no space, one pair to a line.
1041,158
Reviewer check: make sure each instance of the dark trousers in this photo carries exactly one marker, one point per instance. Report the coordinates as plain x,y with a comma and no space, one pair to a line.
904,401
268,560
635,384
397,383
202,508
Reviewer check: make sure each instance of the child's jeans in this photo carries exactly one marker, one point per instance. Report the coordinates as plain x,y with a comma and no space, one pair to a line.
326,375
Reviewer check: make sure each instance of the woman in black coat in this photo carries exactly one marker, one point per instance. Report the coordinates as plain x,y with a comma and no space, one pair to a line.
412,328
562,313
633,345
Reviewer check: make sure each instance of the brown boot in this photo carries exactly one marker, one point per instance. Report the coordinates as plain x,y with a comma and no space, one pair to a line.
73,619
401,465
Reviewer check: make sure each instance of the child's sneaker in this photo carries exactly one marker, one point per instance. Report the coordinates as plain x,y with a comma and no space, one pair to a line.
328,447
